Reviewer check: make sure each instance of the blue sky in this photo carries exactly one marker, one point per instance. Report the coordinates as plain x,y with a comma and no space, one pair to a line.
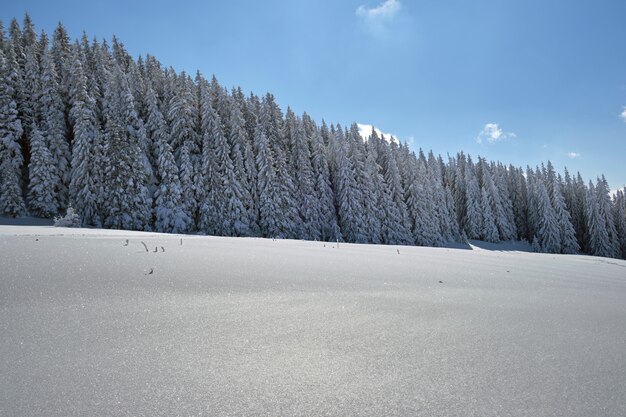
520,81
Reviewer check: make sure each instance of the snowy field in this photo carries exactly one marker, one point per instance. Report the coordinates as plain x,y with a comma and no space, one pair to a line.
92,324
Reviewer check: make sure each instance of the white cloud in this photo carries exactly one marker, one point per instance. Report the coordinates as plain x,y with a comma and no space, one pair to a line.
573,155
492,133
378,18
623,115
365,131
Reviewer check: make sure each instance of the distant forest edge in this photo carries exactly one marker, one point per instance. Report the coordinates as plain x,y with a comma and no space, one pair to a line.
131,144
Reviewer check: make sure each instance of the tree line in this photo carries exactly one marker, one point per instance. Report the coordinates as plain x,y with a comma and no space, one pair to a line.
132,144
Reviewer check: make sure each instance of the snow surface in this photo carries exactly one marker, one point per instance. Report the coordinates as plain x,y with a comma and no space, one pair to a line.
92,325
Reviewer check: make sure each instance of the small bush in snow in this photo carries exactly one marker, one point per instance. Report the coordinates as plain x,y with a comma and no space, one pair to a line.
71,219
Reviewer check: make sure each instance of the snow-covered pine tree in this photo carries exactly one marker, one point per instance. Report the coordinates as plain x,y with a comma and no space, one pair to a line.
11,160
16,61
186,174
598,240
222,211
579,211
500,180
268,191
519,194
271,121
569,244
304,182
63,64
29,37
31,88
242,157
456,230
473,218
548,228
505,228
329,229
41,175
398,212
53,127
603,199
533,215
170,215
459,191
128,203
619,214
438,198
488,229
347,198
356,154
82,189
424,224
374,213
183,118
211,207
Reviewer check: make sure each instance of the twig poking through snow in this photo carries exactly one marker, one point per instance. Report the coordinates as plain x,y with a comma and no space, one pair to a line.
156,249
181,241
398,251
162,249
145,246
126,244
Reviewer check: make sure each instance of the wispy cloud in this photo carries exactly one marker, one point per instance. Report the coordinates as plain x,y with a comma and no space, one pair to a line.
365,131
573,155
492,133
623,114
377,19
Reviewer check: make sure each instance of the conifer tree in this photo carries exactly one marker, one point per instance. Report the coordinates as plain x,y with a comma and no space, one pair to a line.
82,189
423,219
222,212
619,213
63,64
603,199
473,219
127,197
170,214
398,212
243,163
269,194
374,212
489,230
568,241
11,200
598,241
53,127
41,170
270,119
183,119
308,203
31,88
347,200
548,228
323,187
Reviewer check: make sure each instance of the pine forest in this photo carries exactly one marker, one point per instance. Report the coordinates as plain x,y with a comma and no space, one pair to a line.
132,144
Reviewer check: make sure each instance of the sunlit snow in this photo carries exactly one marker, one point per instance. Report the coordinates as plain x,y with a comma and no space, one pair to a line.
118,323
